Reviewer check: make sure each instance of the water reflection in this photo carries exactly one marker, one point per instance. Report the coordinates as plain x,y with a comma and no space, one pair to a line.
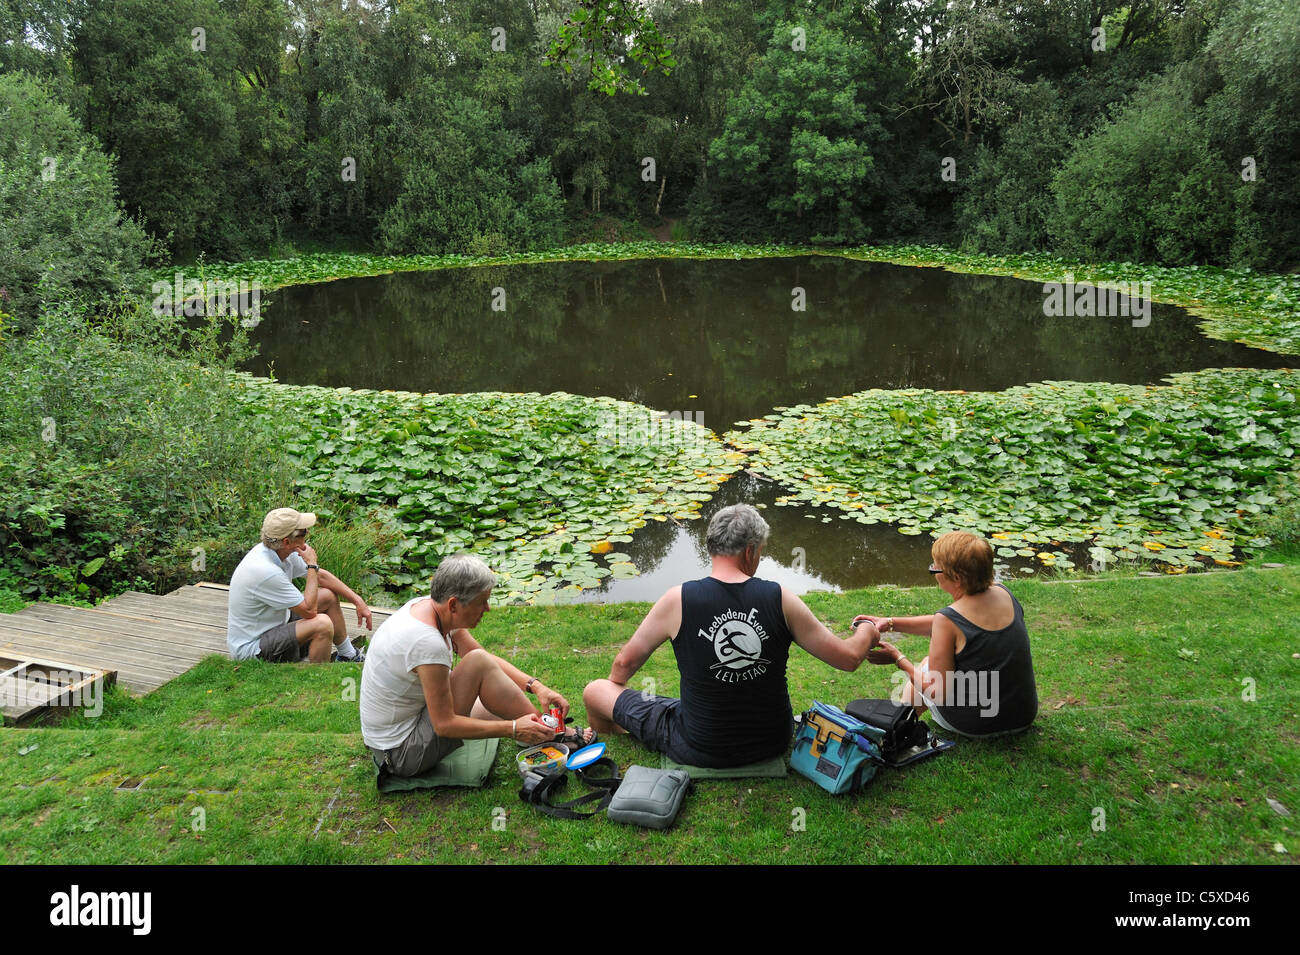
802,552
716,338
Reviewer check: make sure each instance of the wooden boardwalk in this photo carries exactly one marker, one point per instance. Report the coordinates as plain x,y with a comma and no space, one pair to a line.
145,638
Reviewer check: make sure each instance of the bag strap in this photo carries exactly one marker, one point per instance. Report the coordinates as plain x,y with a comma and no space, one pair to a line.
602,786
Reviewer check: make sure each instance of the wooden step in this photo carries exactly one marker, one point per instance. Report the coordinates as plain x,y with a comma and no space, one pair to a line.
97,644
136,679
167,631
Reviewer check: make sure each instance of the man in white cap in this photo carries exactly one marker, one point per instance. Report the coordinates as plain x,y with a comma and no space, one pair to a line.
269,618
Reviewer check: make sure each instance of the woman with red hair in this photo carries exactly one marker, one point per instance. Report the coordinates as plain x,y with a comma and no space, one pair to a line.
978,677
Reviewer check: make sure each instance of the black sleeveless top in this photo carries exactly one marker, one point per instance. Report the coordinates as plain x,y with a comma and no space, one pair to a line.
731,652
992,689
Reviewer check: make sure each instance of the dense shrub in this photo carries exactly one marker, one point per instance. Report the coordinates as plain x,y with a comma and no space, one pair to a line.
1147,187
121,454
62,230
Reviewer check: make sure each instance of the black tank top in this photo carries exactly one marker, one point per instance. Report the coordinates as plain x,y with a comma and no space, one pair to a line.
993,677
731,652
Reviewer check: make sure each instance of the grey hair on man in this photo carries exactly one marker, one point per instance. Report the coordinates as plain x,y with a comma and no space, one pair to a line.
462,576
735,528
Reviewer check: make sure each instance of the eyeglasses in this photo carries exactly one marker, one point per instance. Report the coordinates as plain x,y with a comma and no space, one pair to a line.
935,570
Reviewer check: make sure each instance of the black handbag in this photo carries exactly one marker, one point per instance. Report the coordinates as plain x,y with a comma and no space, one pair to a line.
907,739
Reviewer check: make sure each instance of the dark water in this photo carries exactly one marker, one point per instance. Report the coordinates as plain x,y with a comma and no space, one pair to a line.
714,339
718,341
802,552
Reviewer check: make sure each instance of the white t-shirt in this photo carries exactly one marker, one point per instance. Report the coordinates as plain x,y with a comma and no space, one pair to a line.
392,698
261,593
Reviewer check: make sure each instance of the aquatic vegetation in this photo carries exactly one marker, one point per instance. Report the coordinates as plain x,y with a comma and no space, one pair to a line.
542,487
1176,474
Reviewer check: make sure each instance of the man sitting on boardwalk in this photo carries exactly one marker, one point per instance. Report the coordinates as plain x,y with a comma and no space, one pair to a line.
731,633
269,618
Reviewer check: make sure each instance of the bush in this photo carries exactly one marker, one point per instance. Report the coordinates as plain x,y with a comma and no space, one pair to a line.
1147,187
471,187
63,234
121,453
1004,201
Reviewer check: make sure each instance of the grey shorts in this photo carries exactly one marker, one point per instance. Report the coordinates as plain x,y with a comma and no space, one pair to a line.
280,644
419,752
655,722
652,721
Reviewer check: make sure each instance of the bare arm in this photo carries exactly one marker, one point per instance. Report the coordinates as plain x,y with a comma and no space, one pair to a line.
920,626
307,609
435,680
814,636
343,590
660,624
942,659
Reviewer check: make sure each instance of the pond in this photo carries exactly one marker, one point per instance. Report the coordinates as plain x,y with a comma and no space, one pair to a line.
721,341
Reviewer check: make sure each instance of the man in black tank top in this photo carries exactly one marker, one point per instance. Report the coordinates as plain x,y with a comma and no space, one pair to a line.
731,634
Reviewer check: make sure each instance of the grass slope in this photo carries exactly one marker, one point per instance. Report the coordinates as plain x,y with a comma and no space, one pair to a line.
1143,717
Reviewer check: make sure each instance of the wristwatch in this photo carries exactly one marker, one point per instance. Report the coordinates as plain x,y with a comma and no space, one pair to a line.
313,567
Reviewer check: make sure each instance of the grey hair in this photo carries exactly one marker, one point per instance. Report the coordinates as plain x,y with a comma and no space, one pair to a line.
275,543
734,528
462,576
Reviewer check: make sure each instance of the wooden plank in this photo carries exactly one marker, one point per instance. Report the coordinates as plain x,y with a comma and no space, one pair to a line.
94,645
178,649
154,640
45,664
123,616
177,612
168,632
134,679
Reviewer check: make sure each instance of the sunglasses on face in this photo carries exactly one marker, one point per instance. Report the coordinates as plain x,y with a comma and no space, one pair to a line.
935,570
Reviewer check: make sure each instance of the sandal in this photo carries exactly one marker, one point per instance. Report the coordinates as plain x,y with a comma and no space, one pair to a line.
575,737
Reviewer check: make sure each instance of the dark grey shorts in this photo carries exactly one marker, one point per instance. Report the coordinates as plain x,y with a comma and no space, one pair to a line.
650,719
280,644
655,721
422,749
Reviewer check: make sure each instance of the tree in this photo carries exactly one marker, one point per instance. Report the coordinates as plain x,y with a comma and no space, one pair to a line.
1147,187
63,234
599,36
802,137
470,190
162,88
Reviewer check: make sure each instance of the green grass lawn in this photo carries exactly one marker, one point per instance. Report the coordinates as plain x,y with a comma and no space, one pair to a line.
1142,717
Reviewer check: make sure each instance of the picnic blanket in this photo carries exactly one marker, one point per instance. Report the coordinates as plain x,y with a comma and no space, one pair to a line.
467,765
764,768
